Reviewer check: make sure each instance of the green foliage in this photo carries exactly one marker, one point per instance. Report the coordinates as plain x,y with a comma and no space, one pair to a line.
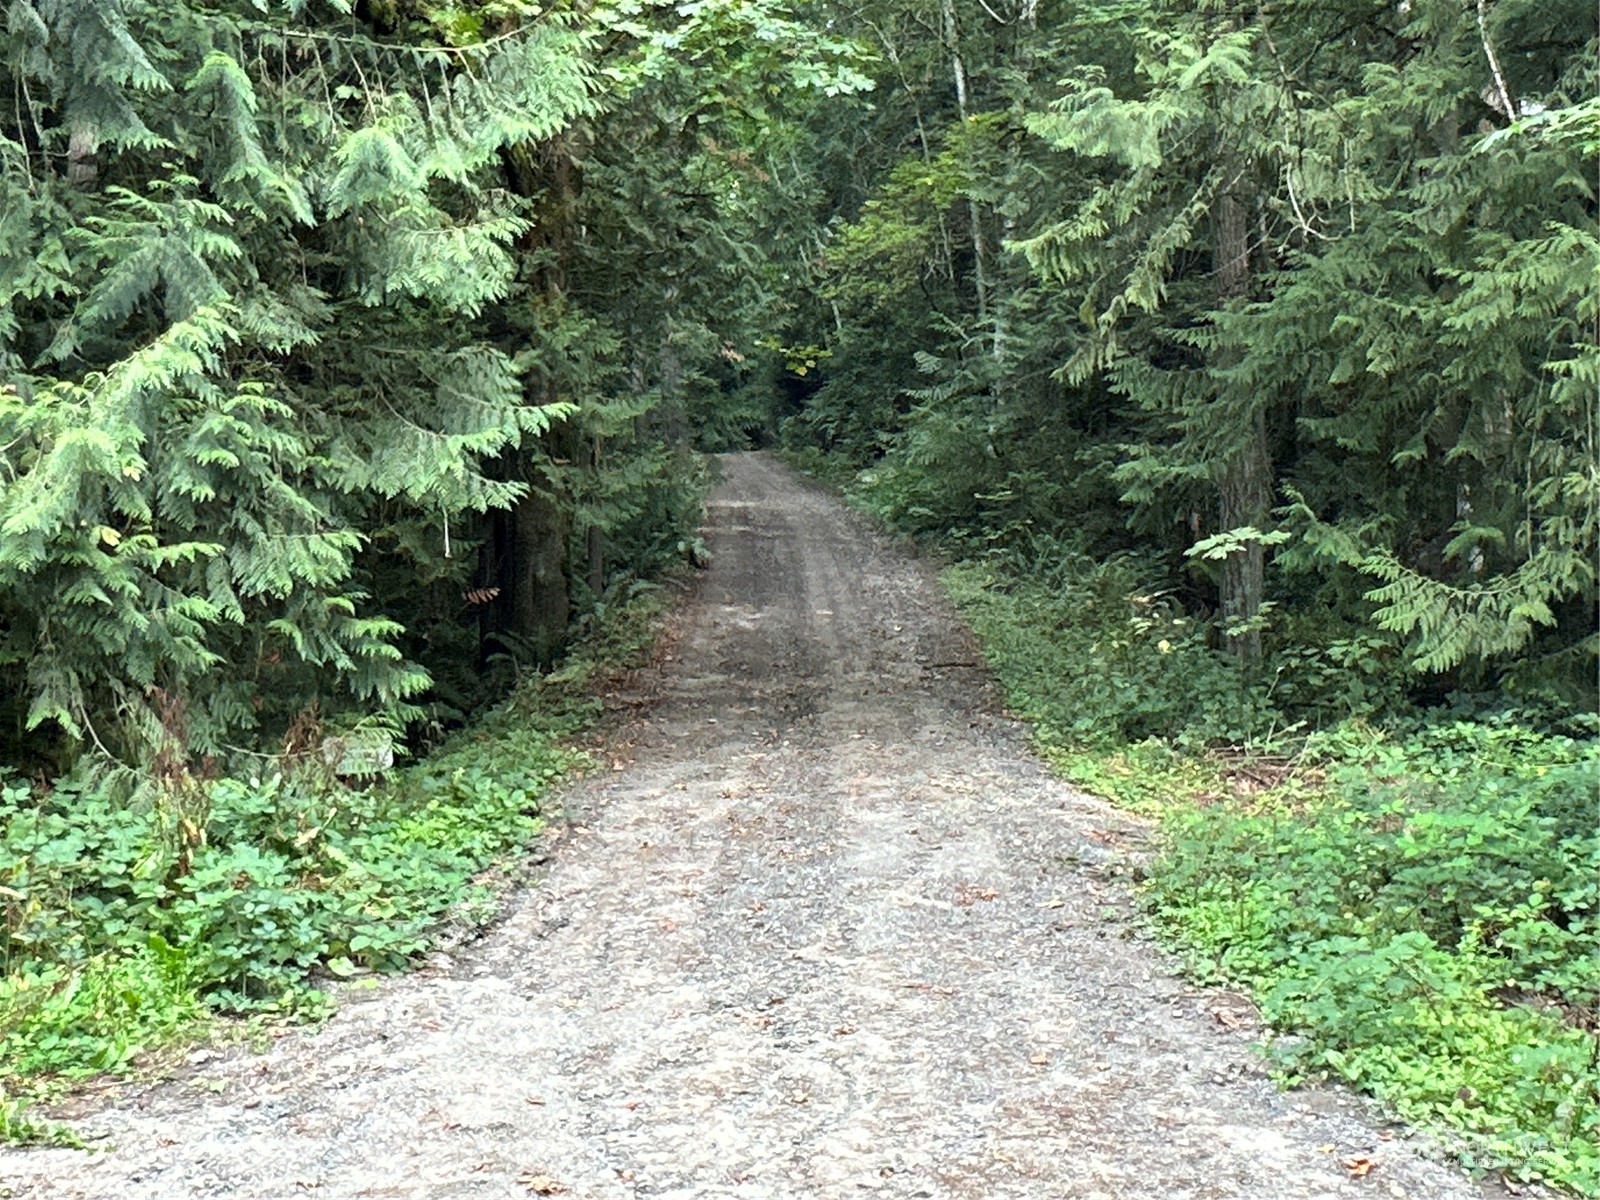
354,356
1187,329
1388,373
336,340
98,1017
298,301
123,926
1093,655
285,871
1417,904
1429,925
236,353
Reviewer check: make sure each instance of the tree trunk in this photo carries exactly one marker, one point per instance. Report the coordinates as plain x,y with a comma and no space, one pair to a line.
1245,487
83,146
594,538
958,68
1246,499
540,604
674,422
596,548
538,578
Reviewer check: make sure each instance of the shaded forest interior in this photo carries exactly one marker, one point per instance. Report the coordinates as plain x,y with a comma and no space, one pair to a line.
361,362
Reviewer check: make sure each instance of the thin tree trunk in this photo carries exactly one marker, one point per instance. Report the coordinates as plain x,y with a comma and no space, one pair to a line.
980,270
1245,488
927,157
83,167
595,537
1506,103
669,374
540,603
596,549
1245,499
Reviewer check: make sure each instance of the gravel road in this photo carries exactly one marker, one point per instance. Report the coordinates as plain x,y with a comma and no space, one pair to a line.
830,931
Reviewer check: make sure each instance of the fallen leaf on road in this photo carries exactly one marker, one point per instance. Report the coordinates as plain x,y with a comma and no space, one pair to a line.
535,1099
968,895
542,1185
1359,1168
936,989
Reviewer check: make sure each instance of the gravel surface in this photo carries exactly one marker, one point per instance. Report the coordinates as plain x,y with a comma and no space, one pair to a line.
830,930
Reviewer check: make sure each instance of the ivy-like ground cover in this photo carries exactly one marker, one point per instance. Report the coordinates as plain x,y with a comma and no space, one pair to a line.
125,929
1417,908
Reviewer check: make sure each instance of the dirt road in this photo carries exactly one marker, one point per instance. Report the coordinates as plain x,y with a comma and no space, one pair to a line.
833,933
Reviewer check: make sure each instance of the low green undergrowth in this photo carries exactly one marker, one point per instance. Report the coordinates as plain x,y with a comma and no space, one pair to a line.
1416,900
830,469
1113,679
1433,935
125,926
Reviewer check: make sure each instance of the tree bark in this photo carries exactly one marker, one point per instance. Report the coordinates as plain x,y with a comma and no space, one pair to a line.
958,68
540,604
1245,486
539,580
83,147
594,538
595,544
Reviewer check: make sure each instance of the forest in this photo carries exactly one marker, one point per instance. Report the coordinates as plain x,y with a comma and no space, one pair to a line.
361,362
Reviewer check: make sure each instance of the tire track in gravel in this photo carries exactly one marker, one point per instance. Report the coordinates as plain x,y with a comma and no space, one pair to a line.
834,932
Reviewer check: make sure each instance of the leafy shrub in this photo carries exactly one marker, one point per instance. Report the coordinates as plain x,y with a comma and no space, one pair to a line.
1095,655
97,1017
293,868
122,927
1430,924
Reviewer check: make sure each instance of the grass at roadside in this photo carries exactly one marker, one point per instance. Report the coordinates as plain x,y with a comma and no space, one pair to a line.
1419,906
125,928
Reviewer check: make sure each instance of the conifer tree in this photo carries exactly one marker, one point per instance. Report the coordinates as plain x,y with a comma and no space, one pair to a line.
1313,282
287,318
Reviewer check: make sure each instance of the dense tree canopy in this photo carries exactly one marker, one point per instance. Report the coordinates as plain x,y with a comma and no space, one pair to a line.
345,347
318,320
1301,295
360,357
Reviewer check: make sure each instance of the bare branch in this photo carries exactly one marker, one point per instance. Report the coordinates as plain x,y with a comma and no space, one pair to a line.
1507,105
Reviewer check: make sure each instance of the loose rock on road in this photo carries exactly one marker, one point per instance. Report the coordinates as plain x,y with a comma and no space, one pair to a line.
833,932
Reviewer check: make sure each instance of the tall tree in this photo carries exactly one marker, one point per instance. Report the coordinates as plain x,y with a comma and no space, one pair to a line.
1283,263
289,329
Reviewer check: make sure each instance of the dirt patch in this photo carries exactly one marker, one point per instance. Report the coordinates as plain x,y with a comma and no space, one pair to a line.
832,931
